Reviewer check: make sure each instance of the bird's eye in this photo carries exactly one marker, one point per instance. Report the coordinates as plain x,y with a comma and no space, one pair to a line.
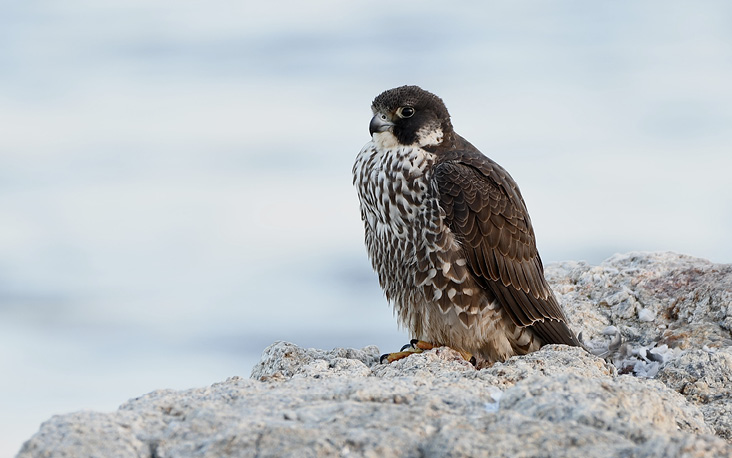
405,112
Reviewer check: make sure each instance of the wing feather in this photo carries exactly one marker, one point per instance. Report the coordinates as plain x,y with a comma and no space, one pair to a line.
484,209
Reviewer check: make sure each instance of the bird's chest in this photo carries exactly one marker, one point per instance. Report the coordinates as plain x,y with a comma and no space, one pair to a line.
398,197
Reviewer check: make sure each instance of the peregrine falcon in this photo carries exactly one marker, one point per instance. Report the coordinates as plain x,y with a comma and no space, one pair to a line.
449,235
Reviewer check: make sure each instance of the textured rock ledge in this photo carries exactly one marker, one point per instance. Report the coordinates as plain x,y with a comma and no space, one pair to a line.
661,320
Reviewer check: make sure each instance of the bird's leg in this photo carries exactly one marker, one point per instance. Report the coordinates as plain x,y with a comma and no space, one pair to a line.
422,345
414,346
418,346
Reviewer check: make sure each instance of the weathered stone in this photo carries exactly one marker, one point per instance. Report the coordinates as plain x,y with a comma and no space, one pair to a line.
649,314
688,342
88,434
556,402
705,378
689,299
287,359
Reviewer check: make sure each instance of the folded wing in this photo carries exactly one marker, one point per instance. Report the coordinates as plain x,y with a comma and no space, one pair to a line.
484,209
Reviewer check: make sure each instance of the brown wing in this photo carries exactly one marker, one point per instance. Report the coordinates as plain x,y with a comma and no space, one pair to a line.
484,209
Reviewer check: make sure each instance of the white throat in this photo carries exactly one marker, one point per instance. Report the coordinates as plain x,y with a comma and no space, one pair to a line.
385,140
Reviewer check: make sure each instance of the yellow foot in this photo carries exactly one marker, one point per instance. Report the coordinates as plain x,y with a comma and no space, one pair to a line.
418,346
414,346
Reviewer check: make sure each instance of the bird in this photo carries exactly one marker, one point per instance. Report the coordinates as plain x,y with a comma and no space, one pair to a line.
449,236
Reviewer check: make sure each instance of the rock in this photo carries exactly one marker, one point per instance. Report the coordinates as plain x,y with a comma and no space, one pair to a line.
90,434
705,378
665,302
283,360
559,401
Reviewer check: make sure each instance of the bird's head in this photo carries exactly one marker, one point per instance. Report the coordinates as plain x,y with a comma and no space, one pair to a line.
409,115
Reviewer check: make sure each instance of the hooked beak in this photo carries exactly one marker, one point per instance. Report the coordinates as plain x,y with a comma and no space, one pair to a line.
379,123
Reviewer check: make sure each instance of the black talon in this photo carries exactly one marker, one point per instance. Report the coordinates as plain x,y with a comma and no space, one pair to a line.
383,357
411,345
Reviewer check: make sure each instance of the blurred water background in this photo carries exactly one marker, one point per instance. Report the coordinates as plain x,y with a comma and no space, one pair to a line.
175,188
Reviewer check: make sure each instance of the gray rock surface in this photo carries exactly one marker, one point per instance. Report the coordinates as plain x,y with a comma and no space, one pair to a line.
704,377
670,317
652,299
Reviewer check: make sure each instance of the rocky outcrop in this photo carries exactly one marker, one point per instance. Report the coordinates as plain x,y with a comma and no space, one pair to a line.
661,315
661,323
